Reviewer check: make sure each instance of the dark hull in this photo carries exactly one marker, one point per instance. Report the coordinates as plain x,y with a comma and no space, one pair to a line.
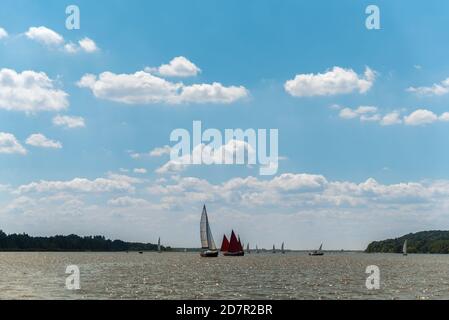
316,254
234,254
209,254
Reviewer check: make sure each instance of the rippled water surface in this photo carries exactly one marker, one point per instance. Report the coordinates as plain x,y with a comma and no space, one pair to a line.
255,276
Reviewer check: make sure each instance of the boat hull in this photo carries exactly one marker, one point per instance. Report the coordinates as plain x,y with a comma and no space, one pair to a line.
209,254
316,254
234,254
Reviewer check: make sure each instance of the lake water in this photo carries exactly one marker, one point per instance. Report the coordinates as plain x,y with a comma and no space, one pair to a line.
255,276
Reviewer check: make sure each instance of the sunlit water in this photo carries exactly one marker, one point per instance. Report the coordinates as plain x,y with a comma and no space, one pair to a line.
255,276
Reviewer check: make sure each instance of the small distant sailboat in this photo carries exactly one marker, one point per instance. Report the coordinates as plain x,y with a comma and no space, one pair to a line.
274,249
234,248
404,248
247,249
224,244
282,248
207,241
257,249
159,245
318,252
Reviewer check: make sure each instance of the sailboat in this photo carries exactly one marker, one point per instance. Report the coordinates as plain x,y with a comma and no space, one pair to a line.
224,244
282,248
274,249
318,252
235,248
159,245
207,241
247,249
404,248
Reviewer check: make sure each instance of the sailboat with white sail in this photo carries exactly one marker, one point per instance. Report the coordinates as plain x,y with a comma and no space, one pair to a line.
318,252
207,241
404,248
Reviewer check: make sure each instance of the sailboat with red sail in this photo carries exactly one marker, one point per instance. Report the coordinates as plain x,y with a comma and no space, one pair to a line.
234,249
224,244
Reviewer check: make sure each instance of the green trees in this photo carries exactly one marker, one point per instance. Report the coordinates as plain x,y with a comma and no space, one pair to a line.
23,242
420,242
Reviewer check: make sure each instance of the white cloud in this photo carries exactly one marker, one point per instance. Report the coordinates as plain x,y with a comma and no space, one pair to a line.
128,202
362,112
159,152
335,81
417,117
30,92
436,89
71,47
110,184
420,117
444,116
45,36
178,67
10,145
69,121
208,155
391,118
144,88
39,140
140,170
88,45
3,33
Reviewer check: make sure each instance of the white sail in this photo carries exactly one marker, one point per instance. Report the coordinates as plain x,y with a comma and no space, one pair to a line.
404,248
207,240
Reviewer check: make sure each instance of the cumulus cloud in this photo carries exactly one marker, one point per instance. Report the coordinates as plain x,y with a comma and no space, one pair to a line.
159,152
10,145
109,184
70,122
416,118
209,155
332,82
177,67
140,170
420,117
437,89
30,92
391,118
145,88
128,202
88,45
3,33
45,36
51,38
39,140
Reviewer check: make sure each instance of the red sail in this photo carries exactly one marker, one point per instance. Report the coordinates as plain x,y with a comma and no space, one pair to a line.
234,245
224,244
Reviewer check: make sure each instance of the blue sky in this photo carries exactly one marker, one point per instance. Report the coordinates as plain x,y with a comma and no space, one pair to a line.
258,46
